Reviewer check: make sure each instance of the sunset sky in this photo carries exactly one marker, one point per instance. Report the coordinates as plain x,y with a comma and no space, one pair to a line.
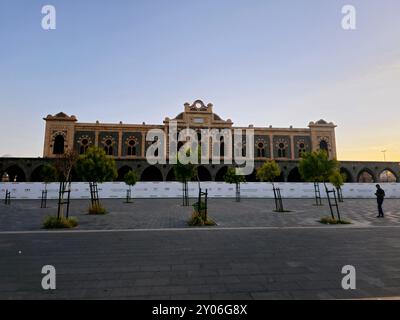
260,62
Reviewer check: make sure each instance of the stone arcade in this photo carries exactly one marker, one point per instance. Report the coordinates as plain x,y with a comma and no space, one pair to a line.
127,144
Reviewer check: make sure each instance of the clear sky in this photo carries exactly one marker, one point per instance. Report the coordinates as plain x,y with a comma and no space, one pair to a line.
261,62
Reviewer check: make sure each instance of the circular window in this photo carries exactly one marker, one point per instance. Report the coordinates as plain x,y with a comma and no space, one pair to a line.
302,145
108,142
132,143
261,145
281,145
85,142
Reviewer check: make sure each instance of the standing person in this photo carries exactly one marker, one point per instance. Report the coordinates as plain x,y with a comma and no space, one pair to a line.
380,197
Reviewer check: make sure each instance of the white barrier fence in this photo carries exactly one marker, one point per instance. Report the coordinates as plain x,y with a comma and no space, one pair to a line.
80,190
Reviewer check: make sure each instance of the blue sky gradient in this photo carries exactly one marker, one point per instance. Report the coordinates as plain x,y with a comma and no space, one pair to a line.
259,62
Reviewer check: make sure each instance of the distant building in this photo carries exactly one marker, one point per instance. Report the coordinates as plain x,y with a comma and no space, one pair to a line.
127,144
128,141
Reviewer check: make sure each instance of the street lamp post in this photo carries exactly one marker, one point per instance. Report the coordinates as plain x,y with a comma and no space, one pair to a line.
384,154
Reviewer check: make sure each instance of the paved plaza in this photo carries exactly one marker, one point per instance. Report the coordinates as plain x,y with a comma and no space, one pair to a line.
144,250
26,215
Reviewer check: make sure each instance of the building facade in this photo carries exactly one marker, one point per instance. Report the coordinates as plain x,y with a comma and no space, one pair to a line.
128,141
127,144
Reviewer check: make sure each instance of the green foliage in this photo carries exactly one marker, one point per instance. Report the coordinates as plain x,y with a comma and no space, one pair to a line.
232,178
97,209
337,179
52,222
268,171
317,167
131,178
184,172
65,163
330,220
96,166
49,173
198,220
202,207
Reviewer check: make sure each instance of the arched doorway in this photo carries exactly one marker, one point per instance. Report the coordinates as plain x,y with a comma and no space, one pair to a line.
58,146
365,176
151,173
171,175
387,176
74,176
204,174
295,176
122,172
347,175
16,174
252,177
37,174
281,178
220,174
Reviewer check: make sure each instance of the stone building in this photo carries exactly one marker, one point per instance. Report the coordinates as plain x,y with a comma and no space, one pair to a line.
127,144
127,141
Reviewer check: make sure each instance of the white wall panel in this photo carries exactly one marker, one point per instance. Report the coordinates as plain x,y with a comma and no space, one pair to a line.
80,190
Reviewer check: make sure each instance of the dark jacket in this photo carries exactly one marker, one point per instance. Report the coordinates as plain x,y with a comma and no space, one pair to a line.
380,194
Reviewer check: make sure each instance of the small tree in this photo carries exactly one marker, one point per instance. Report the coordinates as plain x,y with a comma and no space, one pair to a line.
130,179
317,167
64,165
268,172
338,179
185,173
48,174
232,178
96,167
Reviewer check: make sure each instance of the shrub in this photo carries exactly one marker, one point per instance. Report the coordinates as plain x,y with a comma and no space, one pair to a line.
198,220
202,207
329,220
52,222
97,209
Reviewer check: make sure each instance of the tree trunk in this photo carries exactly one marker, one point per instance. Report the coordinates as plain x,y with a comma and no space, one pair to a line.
237,192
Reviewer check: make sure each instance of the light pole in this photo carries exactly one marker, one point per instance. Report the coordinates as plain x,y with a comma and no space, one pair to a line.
384,154
384,159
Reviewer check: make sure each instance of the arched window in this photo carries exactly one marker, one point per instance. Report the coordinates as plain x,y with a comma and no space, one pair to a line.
281,150
323,145
58,146
84,146
108,148
222,147
131,151
260,150
302,149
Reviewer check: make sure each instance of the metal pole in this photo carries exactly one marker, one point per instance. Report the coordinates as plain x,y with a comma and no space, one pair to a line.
330,204
205,202
275,199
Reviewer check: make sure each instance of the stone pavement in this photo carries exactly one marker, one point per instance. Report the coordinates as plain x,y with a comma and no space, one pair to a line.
168,213
202,264
253,253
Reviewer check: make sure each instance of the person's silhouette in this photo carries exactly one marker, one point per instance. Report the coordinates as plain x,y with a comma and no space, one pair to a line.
380,197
